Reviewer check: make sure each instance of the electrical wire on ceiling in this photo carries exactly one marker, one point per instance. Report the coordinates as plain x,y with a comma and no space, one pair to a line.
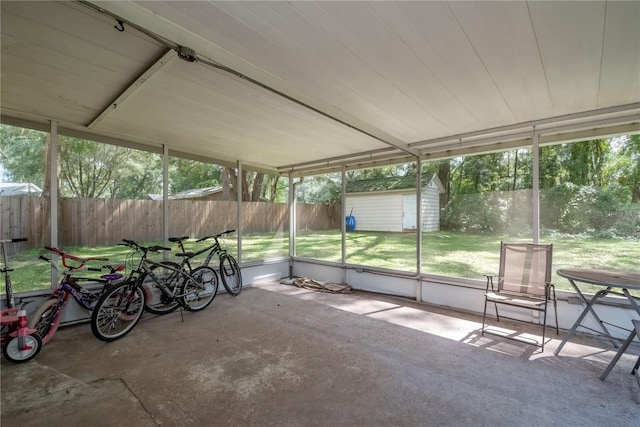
190,55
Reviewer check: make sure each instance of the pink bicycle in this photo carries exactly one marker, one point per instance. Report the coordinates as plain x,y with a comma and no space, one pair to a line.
47,317
19,342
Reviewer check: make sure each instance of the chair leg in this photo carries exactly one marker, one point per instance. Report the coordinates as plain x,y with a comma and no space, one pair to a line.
484,315
544,327
555,307
619,354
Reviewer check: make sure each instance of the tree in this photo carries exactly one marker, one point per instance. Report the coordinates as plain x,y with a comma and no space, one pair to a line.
187,174
88,169
255,186
22,154
622,170
140,176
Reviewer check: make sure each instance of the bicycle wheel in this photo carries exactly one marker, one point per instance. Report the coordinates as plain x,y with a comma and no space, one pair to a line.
157,302
118,311
200,289
13,353
230,274
46,319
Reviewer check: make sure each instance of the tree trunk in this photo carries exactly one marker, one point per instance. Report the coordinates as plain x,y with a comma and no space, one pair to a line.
256,191
226,184
444,171
245,187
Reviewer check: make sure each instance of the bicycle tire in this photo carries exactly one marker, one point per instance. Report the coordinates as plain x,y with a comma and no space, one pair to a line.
197,293
157,302
230,274
43,321
118,311
13,353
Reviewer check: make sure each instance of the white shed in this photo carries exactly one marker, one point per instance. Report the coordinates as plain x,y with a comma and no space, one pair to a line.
395,209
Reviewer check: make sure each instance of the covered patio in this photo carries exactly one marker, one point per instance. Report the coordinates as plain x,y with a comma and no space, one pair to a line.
287,356
297,89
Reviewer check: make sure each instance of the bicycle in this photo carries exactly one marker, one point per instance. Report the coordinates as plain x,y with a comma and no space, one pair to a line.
19,342
120,308
48,316
228,267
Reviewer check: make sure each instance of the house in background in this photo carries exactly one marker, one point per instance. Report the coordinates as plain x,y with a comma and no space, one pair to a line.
207,193
19,189
389,204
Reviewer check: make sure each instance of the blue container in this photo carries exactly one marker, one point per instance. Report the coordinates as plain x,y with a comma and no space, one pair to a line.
351,223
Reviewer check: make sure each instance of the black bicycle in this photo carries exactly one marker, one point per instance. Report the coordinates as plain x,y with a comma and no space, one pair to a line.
228,267
119,309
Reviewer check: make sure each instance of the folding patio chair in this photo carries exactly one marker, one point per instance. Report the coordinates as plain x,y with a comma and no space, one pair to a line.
524,281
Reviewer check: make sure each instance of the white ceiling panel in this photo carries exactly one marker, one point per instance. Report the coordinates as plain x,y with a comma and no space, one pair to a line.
207,111
503,37
570,38
619,55
280,84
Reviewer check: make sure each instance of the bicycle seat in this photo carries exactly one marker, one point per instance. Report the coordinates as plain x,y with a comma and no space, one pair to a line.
178,239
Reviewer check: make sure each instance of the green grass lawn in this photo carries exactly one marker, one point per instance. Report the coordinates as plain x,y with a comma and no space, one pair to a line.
444,253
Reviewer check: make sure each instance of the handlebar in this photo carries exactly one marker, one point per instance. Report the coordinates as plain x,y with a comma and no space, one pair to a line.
134,245
66,256
113,268
215,236
19,239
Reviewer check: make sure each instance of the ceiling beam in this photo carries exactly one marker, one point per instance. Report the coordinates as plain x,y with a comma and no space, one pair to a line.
136,84
519,127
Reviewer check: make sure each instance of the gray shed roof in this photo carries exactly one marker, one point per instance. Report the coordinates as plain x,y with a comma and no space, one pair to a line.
19,189
389,184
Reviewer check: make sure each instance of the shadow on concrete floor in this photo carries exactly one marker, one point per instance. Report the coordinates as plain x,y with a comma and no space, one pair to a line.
278,355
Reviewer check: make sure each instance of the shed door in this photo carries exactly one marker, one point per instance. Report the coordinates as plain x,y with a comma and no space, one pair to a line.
409,221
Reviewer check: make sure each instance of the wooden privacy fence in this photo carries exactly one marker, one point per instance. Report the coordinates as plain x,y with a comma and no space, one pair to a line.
97,222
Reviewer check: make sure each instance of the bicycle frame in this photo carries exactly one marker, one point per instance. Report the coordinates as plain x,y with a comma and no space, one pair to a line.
48,316
144,269
227,269
69,284
159,282
214,249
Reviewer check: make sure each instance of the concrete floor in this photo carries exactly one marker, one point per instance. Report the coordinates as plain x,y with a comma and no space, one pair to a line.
278,355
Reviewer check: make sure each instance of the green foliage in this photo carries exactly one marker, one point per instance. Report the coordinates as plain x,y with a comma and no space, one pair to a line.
188,174
140,176
320,189
22,154
471,213
87,168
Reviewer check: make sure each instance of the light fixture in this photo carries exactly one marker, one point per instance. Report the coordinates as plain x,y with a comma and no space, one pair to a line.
187,54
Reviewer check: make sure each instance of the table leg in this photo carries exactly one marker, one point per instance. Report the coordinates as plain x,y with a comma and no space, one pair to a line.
618,355
631,299
588,308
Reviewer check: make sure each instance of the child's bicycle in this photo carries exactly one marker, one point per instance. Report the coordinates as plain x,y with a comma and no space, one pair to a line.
48,316
19,342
